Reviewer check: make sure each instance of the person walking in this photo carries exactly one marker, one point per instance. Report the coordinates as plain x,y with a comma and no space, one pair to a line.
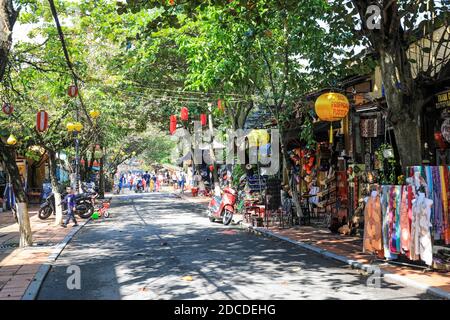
69,199
147,181
182,181
154,178
174,180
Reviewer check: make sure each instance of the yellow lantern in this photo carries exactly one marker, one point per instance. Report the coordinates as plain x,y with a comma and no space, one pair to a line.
94,114
11,140
70,127
332,107
77,126
258,138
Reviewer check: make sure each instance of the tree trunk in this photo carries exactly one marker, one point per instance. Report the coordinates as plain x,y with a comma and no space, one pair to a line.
55,187
8,18
404,105
9,157
292,183
101,187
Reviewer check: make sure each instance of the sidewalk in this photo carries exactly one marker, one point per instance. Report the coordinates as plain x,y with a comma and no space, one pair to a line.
349,250
18,266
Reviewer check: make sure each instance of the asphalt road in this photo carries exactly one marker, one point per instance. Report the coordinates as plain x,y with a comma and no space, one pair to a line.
157,246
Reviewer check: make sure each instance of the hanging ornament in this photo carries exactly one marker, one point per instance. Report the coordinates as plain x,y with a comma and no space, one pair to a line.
41,121
95,164
83,162
203,119
173,124
211,168
184,114
172,2
73,91
94,114
11,140
220,105
332,107
7,108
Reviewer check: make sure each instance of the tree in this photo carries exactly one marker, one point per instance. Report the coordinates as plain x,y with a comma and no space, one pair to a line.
410,41
8,17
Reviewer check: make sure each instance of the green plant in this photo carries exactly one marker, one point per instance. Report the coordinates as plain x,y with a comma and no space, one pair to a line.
388,171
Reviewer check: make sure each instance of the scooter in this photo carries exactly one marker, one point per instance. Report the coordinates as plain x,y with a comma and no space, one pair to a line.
139,187
84,206
222,208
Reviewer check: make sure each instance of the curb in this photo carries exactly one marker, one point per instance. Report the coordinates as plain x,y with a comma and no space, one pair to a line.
354,264
35,285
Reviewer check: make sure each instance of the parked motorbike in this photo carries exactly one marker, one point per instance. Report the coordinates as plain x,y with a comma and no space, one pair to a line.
84,205
139,187
222,207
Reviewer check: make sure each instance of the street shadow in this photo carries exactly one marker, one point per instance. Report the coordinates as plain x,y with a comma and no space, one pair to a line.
158,247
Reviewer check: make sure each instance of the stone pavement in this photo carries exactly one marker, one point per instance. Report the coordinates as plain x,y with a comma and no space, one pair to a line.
18,266
349,247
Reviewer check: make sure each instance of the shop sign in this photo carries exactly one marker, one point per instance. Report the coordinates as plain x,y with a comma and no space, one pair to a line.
443,100
445,130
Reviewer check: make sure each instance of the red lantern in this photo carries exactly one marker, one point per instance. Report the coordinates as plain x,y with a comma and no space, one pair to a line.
42,121
211,168
95,164
73,91
220,105
184,114
83,162
173,124
203,119
7,108
439,140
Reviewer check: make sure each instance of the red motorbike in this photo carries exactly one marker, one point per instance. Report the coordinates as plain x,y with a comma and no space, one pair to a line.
222,208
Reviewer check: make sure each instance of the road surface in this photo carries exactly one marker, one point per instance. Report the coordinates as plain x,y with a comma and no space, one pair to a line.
157,246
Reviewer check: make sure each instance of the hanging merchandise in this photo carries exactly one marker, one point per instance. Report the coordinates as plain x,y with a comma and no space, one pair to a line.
421,245
405,223
369,127
445,129
7,108
41,121
373,224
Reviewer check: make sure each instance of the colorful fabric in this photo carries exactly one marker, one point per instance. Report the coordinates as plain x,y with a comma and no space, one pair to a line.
394,230
385,199
404,222
421,243
369,128
373,225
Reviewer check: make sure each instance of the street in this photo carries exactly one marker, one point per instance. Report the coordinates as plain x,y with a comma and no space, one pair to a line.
157,246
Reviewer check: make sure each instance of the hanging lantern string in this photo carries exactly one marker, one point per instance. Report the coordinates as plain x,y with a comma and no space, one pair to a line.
169,98
67,58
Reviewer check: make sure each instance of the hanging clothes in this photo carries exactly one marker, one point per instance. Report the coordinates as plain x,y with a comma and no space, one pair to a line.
404,222
421,244
394,219
438,208
373,225
447,212
385,196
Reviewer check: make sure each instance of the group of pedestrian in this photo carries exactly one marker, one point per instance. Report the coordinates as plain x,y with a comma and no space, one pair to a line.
179,180
151,182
